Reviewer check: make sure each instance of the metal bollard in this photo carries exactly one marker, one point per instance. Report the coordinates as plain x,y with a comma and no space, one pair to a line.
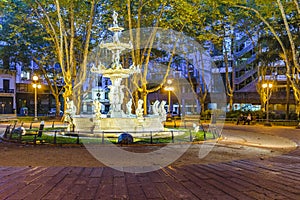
102,137
20,137
54,140
34,139
77,142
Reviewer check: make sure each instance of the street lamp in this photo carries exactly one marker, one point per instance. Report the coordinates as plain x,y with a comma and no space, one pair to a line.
267,86
36,86
169,88
3,106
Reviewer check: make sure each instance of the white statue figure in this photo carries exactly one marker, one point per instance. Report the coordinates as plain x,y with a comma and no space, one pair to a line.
196,127
69,113
139,110
113,97
115,18
116,96
155,108
129,107
71,109
162,111
97,105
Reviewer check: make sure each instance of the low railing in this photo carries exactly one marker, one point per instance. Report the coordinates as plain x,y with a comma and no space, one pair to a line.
61,136
58,134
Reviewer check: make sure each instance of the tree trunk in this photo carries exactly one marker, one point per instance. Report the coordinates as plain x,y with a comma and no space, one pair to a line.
230,102
145,103
288,89
57,103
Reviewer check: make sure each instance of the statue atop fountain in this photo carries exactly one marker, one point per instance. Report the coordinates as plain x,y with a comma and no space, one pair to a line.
115,18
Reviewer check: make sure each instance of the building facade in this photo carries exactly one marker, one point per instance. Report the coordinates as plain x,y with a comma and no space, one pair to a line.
7,91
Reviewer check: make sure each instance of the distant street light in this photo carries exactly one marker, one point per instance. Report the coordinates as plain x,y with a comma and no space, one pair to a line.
36,86
169,88
3,107
267,86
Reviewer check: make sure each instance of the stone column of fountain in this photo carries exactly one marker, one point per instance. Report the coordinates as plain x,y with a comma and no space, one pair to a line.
116,72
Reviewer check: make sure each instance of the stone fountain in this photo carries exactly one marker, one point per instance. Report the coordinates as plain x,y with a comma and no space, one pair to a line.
117,120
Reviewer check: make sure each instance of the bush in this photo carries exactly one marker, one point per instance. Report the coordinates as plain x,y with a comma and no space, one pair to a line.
234,114
293,116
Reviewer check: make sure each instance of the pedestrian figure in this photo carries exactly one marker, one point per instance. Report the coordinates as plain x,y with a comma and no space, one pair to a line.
241,118
248,119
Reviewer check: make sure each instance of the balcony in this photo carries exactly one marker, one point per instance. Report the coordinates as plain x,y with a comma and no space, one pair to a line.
7,90
245,76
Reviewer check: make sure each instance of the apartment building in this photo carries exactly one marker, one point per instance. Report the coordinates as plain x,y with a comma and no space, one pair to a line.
247,80
7,91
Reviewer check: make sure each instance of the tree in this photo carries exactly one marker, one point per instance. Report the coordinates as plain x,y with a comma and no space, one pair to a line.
180,16
52,74
271,14
16,35
24,42
68,25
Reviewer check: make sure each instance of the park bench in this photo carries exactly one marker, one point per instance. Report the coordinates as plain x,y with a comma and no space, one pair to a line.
189,120
35,133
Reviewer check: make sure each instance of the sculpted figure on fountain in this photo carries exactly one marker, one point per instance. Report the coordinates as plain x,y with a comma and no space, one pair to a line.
155,108
162,111
115,18
97,106
71,108
139,110
129,107
70,113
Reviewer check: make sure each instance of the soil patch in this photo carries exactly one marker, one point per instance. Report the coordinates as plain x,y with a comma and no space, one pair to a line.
14,154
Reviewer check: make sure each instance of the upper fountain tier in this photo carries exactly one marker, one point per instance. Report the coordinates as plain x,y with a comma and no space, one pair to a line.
116,47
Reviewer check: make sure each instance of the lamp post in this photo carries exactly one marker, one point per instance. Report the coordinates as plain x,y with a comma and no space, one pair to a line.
169,88
36,86
267,86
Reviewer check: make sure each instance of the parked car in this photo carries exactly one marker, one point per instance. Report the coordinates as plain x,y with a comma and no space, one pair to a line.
52,111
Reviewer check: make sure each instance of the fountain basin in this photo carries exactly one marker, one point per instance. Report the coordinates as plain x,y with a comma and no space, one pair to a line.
129,124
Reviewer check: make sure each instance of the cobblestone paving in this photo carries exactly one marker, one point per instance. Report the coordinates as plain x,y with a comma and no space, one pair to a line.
274,178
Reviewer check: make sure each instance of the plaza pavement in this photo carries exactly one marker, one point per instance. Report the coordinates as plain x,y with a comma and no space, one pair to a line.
271,178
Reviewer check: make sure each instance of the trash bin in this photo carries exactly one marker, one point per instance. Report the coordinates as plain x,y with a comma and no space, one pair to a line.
125,138
24,111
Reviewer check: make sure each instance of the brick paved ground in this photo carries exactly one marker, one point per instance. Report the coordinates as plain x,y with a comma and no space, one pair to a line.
244,179
273,178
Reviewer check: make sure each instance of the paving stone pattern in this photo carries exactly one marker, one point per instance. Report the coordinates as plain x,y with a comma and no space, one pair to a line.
274,178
